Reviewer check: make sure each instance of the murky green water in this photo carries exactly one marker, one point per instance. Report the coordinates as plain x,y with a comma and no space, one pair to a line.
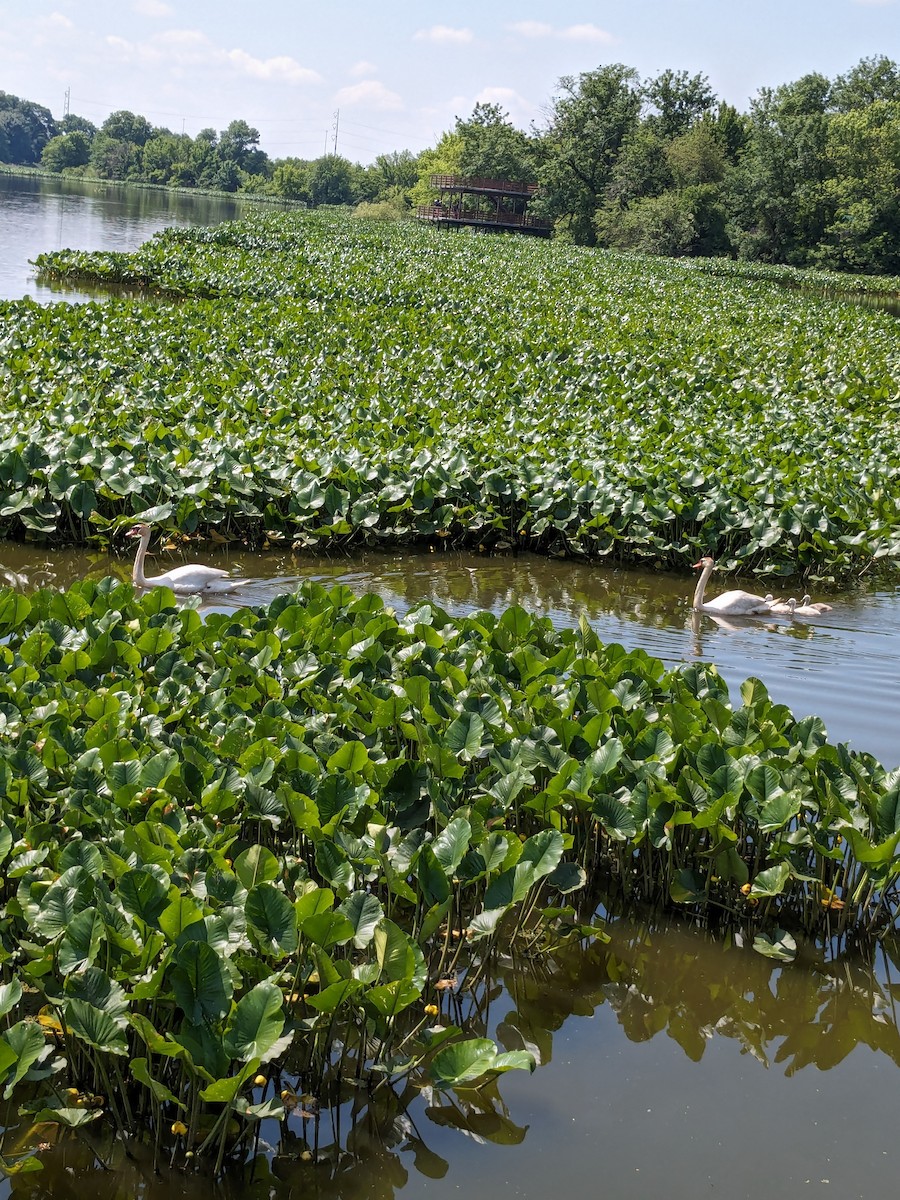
670,1065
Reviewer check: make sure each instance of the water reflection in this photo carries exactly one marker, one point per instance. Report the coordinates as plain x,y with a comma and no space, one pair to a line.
40,214
841,667
656,984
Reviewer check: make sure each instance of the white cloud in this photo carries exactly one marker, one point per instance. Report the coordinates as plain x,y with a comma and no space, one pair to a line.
282,68
360,69
443,33
152,8
191,48
369,92
586,33
572,33
56,20
532,29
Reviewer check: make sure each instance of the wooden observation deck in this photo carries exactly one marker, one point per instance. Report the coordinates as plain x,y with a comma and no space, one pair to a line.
499,204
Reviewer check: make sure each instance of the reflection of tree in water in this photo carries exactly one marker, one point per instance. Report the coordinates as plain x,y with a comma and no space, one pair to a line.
362,1142
687,984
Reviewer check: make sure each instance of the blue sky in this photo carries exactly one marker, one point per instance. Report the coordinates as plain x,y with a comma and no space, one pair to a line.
398,73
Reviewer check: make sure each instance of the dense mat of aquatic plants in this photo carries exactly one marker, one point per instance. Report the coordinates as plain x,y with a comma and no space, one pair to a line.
326,380
266,837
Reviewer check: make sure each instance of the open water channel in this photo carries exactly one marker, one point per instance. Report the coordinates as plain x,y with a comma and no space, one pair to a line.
670,1064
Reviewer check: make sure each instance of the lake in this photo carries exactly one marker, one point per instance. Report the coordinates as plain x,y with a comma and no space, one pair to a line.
39,214
670,1063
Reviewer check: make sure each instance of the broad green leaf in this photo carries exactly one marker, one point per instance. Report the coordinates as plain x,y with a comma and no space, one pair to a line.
257,1023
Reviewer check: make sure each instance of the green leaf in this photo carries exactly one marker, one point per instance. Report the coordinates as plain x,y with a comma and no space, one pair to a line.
780,945
160,1093
95,1027
201,983
771,882
25,1044
256,1025
451,844
543,850
464,735
256,865
272,920
363,911
463,1063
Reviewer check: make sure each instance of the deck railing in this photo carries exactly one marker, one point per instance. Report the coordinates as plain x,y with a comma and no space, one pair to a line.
452,214
481,183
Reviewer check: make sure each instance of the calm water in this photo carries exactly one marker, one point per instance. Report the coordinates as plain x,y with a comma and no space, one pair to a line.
843,668
38,215
671,1064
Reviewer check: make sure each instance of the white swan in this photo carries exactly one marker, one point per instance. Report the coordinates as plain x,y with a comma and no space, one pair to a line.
818,605
807,610
190,578
784,608
735,603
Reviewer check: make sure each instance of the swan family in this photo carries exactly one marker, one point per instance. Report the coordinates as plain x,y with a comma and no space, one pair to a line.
190,578
738,603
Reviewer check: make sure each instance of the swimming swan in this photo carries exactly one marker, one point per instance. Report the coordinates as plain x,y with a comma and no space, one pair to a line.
784,608
805,609
735,603
192,577
818,605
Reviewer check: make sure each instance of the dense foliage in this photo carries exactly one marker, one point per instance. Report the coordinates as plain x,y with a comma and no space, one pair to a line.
265,839
809,176
325,380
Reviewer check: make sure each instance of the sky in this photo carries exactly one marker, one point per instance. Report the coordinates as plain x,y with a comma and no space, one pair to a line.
367,77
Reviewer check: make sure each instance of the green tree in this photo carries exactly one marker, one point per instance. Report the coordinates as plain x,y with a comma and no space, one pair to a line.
162,153
203,160
641,168
25,128
863,152
871,80
443,159
125,126
590,117
290,178
330,181
113,158
396,170
677,100
781,203
239,144
66,150
697,156
72,123
492,147
652,225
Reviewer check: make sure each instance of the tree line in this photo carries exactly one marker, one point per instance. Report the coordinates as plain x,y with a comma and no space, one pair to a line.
809,175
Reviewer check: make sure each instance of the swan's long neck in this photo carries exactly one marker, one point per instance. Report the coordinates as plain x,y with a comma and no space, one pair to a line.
138,578
701,585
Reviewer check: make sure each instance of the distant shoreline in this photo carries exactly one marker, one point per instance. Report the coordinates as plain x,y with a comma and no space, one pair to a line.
141,185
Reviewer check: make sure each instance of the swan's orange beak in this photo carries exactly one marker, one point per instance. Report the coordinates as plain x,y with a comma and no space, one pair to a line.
693,567
133,532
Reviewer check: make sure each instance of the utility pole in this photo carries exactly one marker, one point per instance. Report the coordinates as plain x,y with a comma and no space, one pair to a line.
337,117
325,155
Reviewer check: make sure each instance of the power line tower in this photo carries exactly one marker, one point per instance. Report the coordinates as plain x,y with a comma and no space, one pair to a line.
66,104
337,118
